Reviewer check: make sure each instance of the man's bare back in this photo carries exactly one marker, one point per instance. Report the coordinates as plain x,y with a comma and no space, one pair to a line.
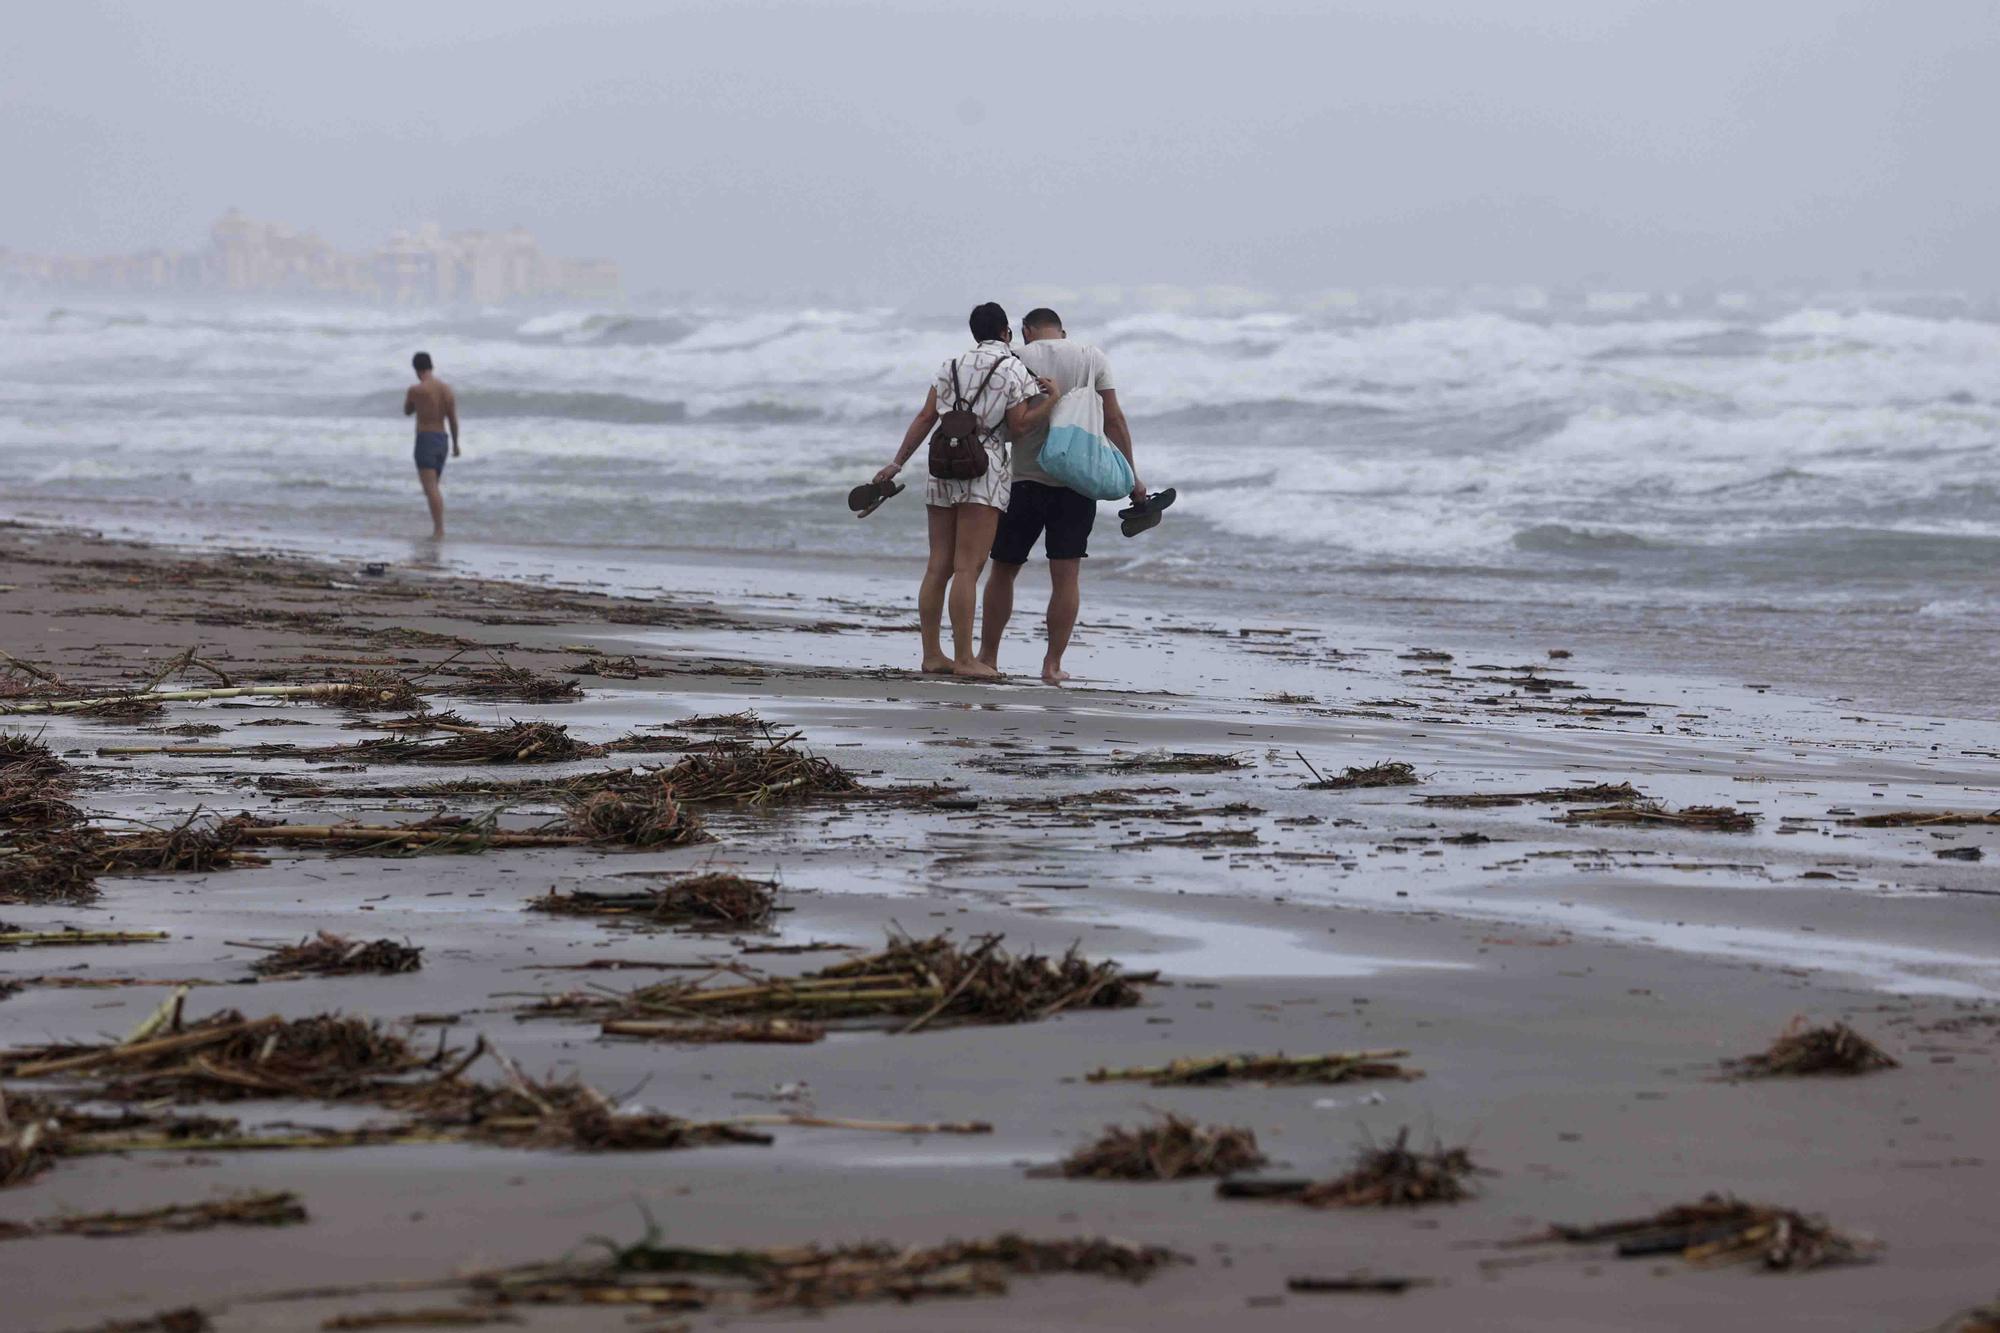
430,401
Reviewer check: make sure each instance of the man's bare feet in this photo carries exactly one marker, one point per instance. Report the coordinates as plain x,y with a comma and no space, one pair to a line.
937,666
975,670
1053,674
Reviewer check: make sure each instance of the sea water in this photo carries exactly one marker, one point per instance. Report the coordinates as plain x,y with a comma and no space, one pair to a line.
1801,492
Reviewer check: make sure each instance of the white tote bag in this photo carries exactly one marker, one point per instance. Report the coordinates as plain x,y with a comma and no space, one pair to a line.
1076,452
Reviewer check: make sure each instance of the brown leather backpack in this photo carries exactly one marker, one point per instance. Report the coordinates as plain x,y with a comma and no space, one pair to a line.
958,445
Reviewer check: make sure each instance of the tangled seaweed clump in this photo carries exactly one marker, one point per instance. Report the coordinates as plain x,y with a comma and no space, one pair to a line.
1390,773
1800,1050
1171,1148
934,980
764,776
646,812
328,954
1720,1229
715,897
1387,1177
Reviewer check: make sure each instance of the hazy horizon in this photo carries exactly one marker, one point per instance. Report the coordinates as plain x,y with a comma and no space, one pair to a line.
918,150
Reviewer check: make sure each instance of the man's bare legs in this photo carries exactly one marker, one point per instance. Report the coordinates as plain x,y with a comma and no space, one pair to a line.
1065,596
434,497
996,611
976,524
937,577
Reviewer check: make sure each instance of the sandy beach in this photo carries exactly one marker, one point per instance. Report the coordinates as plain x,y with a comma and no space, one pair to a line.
1567,987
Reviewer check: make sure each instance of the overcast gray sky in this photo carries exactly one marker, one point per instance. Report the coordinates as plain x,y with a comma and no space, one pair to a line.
912,148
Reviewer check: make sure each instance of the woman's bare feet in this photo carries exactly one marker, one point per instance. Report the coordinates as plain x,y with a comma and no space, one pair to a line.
974,669
937,666
1053,674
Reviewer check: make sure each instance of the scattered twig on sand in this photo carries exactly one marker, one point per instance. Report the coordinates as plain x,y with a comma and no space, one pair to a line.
504,681
270,1209
1923,818
713,898
1222,1070
30,1138
780,1031
1386,1177
431,835
35,785
327,954
1834,1049
187,1319
1723,1230
147,703
1721,818
1171,1148
1385,774
61,864
426,1316
372,691
1353,1283
744,723
1180,761
1623,793
1980,1319
25,938
928,981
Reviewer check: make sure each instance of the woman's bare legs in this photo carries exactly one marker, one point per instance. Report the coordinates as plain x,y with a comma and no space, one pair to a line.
937,575
976,526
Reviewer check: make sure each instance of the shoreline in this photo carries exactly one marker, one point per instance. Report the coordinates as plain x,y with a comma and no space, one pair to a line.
1567,989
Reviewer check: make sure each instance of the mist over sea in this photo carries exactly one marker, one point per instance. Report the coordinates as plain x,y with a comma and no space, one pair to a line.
1801,493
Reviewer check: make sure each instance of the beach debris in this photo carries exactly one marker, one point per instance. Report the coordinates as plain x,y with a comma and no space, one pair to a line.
515,743
1801,1050
610,668
146,704
715,898
1959,854
1392,1176
1923,818
425,1316
1720,1229
1721,818
1170,1148
649,1273
1353,1283
275,1208
186,1319
61,864
744,723
327,954
780,1031
504,681
928,981
1180,761
1389,773
372,691
10,938
1623,793
634,743
35,785
440,833
30,1138
228,1057
776,772
1223,1070
647,814
1980,1319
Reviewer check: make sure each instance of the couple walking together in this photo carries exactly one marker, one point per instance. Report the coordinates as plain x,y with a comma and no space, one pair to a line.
982,400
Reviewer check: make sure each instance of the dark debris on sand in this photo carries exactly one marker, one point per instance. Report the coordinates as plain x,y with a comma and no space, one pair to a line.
929,981
327,954
502,681
1216,1071
1800,1050
1180,761
647,812
1171,1148
1386,774
1387,1177
275,1208
775,773
1620,793
1719,818
715,898
1721,1230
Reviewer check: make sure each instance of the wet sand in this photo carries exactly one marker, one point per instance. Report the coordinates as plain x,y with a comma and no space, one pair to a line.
1567,990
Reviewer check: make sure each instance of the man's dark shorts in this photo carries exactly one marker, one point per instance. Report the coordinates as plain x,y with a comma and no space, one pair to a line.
433,446
1032,508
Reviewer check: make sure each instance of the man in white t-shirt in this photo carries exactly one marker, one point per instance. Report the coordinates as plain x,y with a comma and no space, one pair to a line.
1041,508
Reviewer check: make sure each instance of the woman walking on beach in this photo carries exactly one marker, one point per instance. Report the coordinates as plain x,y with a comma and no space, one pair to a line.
989,396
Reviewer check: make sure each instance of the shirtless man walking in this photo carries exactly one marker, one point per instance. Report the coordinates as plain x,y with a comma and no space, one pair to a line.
431,402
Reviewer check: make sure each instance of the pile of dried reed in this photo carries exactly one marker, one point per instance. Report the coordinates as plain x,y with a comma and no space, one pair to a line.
647,812
1721,818
328,955
1620,793
504,681
1171,1148
1722,1230
1924,818
30,1138
774,773
372,691
1180,761
711,898
1799,1050
1389,773
1222,1070
34,785
1387,1177
270,1209
935,980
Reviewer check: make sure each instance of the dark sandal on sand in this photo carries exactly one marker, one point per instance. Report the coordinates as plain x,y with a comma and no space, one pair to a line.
1137,518
866,499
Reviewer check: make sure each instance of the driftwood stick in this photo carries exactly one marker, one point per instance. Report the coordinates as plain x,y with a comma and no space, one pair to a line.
175,696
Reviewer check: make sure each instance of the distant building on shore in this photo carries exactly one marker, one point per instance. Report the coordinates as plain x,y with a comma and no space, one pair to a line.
424,266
